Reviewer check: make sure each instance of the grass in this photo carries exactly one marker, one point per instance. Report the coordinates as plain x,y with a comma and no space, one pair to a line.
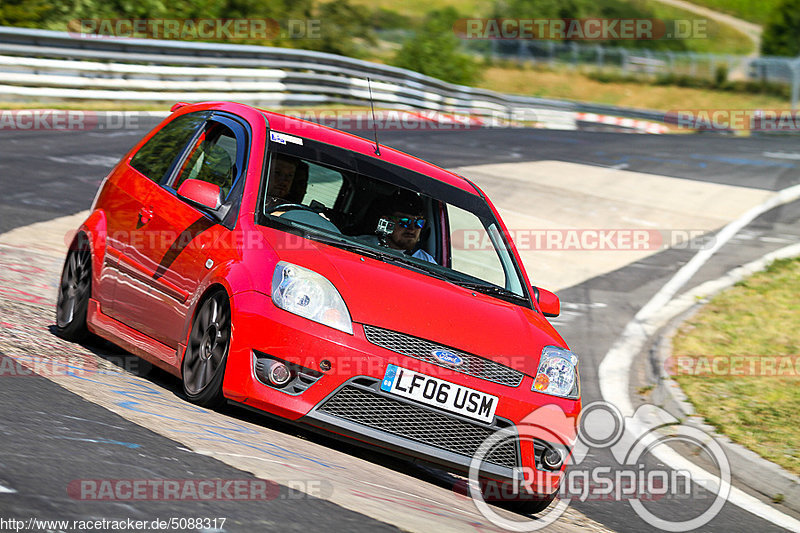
417,9
720,39
575,85
757,11
758,317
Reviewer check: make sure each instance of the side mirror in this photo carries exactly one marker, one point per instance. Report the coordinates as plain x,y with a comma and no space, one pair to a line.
201,193
548,301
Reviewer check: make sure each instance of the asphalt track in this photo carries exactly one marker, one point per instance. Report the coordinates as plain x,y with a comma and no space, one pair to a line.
49,174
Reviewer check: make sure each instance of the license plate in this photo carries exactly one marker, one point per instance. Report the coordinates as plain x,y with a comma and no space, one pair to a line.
439,393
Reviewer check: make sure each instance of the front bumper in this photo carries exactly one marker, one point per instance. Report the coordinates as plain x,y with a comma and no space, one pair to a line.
360,409
347,399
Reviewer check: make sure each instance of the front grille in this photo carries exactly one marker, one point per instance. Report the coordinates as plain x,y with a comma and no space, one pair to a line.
421,349
418,424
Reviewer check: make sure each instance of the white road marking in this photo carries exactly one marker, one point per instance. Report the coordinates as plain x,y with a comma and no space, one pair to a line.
782,155
6,490
614,370
776,239
88,159
555,195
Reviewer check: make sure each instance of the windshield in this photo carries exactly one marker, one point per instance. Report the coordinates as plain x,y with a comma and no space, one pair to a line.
367,206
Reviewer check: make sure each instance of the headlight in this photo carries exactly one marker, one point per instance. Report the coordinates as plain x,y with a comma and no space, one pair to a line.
558,373
304,292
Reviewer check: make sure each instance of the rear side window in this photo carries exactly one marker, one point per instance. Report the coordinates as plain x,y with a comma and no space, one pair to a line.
157,156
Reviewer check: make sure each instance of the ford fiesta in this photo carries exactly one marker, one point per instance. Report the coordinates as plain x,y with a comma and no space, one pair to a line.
314,275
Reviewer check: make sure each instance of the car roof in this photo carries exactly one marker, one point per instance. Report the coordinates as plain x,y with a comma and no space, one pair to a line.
325,134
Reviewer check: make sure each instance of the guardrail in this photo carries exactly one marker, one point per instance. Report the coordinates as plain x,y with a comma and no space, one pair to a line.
42,64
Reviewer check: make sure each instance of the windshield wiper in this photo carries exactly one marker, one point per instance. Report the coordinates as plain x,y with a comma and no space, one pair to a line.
380,255
346,245
490,289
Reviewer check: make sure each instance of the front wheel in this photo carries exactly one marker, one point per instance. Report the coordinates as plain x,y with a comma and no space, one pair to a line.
529,507
74,292
207,351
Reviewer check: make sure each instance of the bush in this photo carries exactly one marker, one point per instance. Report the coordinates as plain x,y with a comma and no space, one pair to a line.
719,82
780,33
434,51
341,24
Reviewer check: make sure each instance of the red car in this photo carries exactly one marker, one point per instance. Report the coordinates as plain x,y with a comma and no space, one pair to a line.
314,275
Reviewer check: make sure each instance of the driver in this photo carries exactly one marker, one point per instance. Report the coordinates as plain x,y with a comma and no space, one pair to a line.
281,176
403,211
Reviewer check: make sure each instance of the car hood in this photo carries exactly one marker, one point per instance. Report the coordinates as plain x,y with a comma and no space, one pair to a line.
390,296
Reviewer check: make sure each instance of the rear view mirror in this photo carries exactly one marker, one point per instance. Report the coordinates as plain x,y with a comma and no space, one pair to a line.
201,193
548,302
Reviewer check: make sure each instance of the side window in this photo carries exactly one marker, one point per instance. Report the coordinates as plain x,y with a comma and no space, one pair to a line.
324,185
212,158
472,251
298,181
157,156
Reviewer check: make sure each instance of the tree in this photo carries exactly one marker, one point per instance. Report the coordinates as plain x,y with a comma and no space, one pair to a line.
341,24
780,37
24,13
434,50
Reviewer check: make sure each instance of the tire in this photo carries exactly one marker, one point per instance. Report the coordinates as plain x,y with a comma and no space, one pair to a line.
531,506
206,354
74,292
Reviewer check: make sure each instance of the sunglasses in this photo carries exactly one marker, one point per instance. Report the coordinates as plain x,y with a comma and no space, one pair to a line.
408,222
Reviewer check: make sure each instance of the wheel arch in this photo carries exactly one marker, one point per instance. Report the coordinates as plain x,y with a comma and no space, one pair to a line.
94,229
202,295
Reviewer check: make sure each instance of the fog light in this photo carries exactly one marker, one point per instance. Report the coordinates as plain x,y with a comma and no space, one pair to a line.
279,374
274,372
552,458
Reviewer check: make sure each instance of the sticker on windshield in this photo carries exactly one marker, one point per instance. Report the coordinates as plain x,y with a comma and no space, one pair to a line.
282,138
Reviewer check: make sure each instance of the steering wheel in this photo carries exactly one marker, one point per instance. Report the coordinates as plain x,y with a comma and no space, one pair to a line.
318,220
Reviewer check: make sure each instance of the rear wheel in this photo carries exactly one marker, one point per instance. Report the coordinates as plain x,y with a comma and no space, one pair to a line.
74,292
207,351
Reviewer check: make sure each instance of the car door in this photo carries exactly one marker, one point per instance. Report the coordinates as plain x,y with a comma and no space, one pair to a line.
185,234
128,213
